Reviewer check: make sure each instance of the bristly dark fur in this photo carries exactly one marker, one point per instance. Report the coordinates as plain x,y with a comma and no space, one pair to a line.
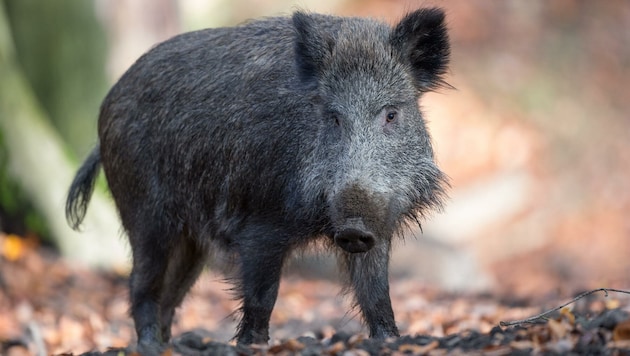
81,189
254,141
422,37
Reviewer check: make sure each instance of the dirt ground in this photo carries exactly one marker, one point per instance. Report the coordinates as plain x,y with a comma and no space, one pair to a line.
49,306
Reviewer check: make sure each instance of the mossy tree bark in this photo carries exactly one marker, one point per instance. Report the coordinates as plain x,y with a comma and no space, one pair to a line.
39,162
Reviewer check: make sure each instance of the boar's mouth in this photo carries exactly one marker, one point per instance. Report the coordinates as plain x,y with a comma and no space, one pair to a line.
353,236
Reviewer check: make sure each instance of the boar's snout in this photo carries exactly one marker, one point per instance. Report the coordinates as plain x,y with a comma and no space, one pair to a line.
354,237
354,241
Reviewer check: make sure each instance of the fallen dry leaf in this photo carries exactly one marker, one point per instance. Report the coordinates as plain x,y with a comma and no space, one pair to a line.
12,247
419,349
558,328
566,312
621,332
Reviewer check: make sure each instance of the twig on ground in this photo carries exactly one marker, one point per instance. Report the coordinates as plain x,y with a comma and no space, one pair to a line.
540,316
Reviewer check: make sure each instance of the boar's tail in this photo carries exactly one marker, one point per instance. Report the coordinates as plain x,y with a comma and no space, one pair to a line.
82,188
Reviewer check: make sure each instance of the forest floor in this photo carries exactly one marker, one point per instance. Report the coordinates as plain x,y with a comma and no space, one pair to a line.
49,306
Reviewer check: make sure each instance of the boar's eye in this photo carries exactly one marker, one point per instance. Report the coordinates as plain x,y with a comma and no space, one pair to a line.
391,116
334,117
336,120
388,118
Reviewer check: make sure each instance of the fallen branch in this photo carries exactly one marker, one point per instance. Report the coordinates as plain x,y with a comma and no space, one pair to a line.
540,316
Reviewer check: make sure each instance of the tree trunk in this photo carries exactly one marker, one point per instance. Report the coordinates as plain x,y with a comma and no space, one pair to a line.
39,163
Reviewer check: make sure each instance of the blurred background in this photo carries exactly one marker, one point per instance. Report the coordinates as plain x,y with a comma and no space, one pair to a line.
535,134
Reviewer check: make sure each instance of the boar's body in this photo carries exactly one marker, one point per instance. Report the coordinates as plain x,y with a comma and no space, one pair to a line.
210,130
260,138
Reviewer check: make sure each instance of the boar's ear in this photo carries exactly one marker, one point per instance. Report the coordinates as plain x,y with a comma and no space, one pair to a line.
421,40
312,47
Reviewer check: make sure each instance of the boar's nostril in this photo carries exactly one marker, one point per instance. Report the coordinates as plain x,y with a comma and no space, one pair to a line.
354,240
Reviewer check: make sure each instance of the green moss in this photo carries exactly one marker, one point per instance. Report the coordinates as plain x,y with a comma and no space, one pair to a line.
17,213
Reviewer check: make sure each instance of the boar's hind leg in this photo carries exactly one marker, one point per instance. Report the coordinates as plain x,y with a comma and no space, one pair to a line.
151,248
186,263
367,273
261,258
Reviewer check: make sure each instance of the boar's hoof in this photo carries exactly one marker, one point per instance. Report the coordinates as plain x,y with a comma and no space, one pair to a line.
354,240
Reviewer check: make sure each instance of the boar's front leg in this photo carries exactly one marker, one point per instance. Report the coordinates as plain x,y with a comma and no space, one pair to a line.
368,278
261,255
